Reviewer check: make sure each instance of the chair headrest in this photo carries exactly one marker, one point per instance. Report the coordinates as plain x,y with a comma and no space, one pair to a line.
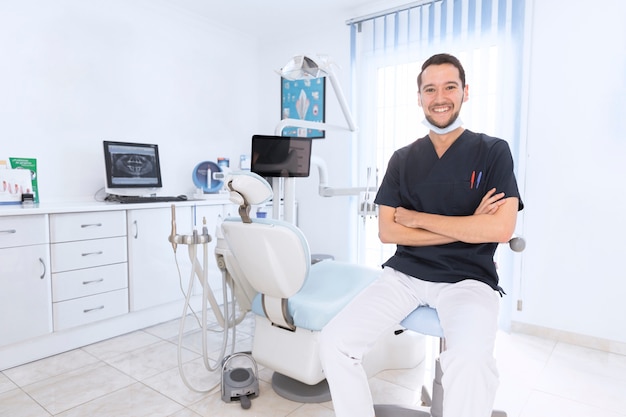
247,188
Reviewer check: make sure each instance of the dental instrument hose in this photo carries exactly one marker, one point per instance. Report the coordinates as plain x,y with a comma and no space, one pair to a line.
226,320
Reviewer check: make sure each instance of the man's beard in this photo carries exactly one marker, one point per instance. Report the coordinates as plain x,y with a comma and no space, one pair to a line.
450,121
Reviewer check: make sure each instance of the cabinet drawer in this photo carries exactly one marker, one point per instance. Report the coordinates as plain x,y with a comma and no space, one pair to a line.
89,309
90,281
68,227
23,230
86,254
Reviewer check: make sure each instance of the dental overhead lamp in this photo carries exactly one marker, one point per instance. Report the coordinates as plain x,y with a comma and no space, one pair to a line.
303,67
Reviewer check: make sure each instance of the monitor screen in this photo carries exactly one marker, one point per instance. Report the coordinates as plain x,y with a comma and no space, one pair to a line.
131,168
280,156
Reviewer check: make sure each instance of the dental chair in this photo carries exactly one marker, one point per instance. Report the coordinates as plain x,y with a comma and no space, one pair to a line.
269,264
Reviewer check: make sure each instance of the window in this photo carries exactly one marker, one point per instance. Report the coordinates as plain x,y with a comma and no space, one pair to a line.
387,53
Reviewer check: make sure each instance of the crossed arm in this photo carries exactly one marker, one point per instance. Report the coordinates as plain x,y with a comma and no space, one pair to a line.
493,221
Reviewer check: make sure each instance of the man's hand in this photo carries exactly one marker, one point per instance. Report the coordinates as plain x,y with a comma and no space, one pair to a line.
406,217
490,203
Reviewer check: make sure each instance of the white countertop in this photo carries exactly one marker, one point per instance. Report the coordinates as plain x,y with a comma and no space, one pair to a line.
82,206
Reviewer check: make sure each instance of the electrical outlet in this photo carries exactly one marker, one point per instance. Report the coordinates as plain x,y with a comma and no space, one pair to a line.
519,305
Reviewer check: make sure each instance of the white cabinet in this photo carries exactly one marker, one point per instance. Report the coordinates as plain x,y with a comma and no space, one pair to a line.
25,295
156,272
89,267
71,275
154,277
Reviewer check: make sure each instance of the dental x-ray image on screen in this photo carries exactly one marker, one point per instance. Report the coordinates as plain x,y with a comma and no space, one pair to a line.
133,165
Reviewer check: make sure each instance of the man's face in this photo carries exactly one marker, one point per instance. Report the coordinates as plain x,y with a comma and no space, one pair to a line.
441,94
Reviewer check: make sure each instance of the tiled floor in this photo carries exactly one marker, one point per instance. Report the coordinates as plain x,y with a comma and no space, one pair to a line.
137,375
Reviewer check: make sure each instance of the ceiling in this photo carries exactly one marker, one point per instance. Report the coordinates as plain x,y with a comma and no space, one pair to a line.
266,17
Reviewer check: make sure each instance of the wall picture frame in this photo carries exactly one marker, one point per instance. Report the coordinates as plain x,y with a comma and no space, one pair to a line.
303,100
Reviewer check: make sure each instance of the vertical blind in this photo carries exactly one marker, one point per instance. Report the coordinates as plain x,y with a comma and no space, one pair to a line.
387,51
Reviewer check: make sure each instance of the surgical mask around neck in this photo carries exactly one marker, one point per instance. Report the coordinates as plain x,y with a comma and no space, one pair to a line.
442,131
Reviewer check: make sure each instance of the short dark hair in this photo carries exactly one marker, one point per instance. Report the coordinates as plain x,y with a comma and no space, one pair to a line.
440,59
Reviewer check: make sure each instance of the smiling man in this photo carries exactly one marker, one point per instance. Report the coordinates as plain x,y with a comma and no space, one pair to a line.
446,201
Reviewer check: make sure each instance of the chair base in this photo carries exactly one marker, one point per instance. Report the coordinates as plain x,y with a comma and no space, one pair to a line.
297,391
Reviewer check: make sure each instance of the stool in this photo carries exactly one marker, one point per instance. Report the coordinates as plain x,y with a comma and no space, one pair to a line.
424,320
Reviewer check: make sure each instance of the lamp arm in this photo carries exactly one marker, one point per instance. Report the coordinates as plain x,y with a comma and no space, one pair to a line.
342,100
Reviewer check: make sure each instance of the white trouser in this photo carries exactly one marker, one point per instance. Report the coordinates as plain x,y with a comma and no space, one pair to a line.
468,312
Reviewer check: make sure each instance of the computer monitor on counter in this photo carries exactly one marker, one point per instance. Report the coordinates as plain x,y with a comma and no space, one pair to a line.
132,169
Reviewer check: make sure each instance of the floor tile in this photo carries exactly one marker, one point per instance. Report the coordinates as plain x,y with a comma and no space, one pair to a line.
170,329
185,412
215,339
150,360
6,384
312,410
65,391
590,361
541,404
136,400
585,378
16,403
170,383
49,367
521,359
116,346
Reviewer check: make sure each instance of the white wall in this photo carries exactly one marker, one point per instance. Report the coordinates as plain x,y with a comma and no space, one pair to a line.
572,269
74,73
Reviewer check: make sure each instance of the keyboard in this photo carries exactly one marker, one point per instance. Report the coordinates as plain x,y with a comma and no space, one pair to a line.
147,199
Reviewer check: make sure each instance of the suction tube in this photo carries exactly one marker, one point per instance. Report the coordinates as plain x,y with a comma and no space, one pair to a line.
226,320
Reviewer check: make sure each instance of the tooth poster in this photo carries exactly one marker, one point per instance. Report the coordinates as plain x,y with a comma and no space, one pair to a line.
303,100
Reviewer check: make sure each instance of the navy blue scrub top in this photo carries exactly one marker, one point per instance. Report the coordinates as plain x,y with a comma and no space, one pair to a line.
453,185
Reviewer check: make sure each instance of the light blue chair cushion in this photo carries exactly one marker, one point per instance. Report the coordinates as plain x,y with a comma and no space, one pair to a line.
424,320
329,286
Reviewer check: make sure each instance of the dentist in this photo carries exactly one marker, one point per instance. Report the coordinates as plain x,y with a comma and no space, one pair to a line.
446,201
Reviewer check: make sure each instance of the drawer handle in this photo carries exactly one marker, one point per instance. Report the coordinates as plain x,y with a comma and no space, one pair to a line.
43,264
8,231
92,253
93,281
89,310
84,226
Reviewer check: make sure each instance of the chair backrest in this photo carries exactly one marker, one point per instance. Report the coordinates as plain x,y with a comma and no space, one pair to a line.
272,256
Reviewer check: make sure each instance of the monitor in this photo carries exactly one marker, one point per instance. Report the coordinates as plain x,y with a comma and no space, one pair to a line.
281,156
132,169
